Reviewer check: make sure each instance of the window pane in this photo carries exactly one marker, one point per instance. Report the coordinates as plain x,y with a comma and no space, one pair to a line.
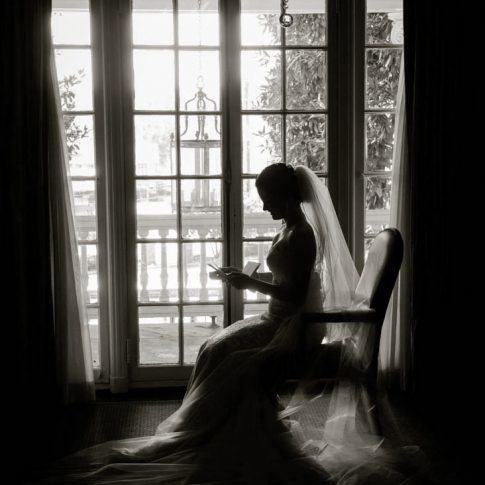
306,79
382,70
86,228
200,323
201,208
154,145
70,24
306,142
309,23
384,22
198,25
154,79
380,141
199,80
75,77
259,22
80,145
200,148
261,141
84,195
157,271
88,262
158,328
152,22
85,223
93,326
256,222
197,285
378,204
257,252
261,79
156,209
208,153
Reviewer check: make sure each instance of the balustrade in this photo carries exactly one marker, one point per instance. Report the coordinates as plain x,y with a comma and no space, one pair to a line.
163,225
158,282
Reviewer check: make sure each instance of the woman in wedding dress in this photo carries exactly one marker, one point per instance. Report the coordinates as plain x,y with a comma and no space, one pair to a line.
231,428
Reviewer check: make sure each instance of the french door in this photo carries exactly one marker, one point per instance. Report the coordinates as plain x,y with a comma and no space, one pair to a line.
172,107
216,91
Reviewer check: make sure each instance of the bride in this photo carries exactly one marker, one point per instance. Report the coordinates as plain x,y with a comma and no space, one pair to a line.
231,427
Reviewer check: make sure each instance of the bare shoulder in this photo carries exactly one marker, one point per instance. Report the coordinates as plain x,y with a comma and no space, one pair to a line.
302,236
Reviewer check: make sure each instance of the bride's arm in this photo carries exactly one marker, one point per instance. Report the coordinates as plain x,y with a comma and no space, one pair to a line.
266,276
302,253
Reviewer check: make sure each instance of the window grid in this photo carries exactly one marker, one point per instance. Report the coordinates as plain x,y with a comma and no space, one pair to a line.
183,242
87,223
385,175
109,70
258,304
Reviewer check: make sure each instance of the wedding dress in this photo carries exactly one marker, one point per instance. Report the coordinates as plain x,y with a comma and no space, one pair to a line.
229,430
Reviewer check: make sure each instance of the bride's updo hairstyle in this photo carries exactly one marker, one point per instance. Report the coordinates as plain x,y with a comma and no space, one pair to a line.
280,180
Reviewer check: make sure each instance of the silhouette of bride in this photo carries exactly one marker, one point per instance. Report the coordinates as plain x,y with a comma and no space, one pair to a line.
231,428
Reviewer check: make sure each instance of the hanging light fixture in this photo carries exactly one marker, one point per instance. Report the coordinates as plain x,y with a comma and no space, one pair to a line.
286,19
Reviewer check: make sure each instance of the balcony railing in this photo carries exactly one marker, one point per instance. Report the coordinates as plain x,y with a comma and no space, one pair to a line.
158,226
201,318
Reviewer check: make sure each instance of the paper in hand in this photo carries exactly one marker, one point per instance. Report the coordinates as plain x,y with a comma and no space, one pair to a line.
219,271
251,267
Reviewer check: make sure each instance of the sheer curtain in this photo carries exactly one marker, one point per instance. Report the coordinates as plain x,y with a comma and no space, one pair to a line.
74,362
396,340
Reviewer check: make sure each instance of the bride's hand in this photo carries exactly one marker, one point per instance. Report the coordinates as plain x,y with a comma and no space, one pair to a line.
230,269
239,280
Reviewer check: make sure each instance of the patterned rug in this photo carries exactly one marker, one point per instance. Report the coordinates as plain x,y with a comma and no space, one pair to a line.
87,425
118,417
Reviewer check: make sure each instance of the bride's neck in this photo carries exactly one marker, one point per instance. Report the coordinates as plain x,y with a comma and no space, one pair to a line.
294,217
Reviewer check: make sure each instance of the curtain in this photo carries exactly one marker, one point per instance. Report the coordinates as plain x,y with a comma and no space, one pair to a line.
42,304
396,339
445,156
72,331
29,382
444,186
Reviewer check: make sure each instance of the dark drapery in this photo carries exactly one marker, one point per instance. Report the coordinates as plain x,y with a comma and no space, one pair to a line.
443,155
431,85
30,391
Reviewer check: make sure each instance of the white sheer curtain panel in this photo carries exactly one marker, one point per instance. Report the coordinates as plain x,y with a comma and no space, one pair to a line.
74,362
396,339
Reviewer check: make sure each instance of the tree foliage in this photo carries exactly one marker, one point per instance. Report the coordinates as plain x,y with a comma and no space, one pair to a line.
74,131
382,82
306,84
306,89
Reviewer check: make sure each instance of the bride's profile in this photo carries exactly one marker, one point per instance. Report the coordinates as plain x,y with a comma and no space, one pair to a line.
231,427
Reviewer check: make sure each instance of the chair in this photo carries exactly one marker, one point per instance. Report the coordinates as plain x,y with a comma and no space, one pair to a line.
375,285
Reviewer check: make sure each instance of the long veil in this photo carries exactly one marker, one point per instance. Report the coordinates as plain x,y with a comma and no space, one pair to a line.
334,262
229,431
334,424
335,266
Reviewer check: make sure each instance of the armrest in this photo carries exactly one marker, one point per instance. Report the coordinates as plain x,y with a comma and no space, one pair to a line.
342,315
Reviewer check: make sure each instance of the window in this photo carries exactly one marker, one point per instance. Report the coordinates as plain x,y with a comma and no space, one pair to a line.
178,177
71,33
283,109
383,52
171,110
